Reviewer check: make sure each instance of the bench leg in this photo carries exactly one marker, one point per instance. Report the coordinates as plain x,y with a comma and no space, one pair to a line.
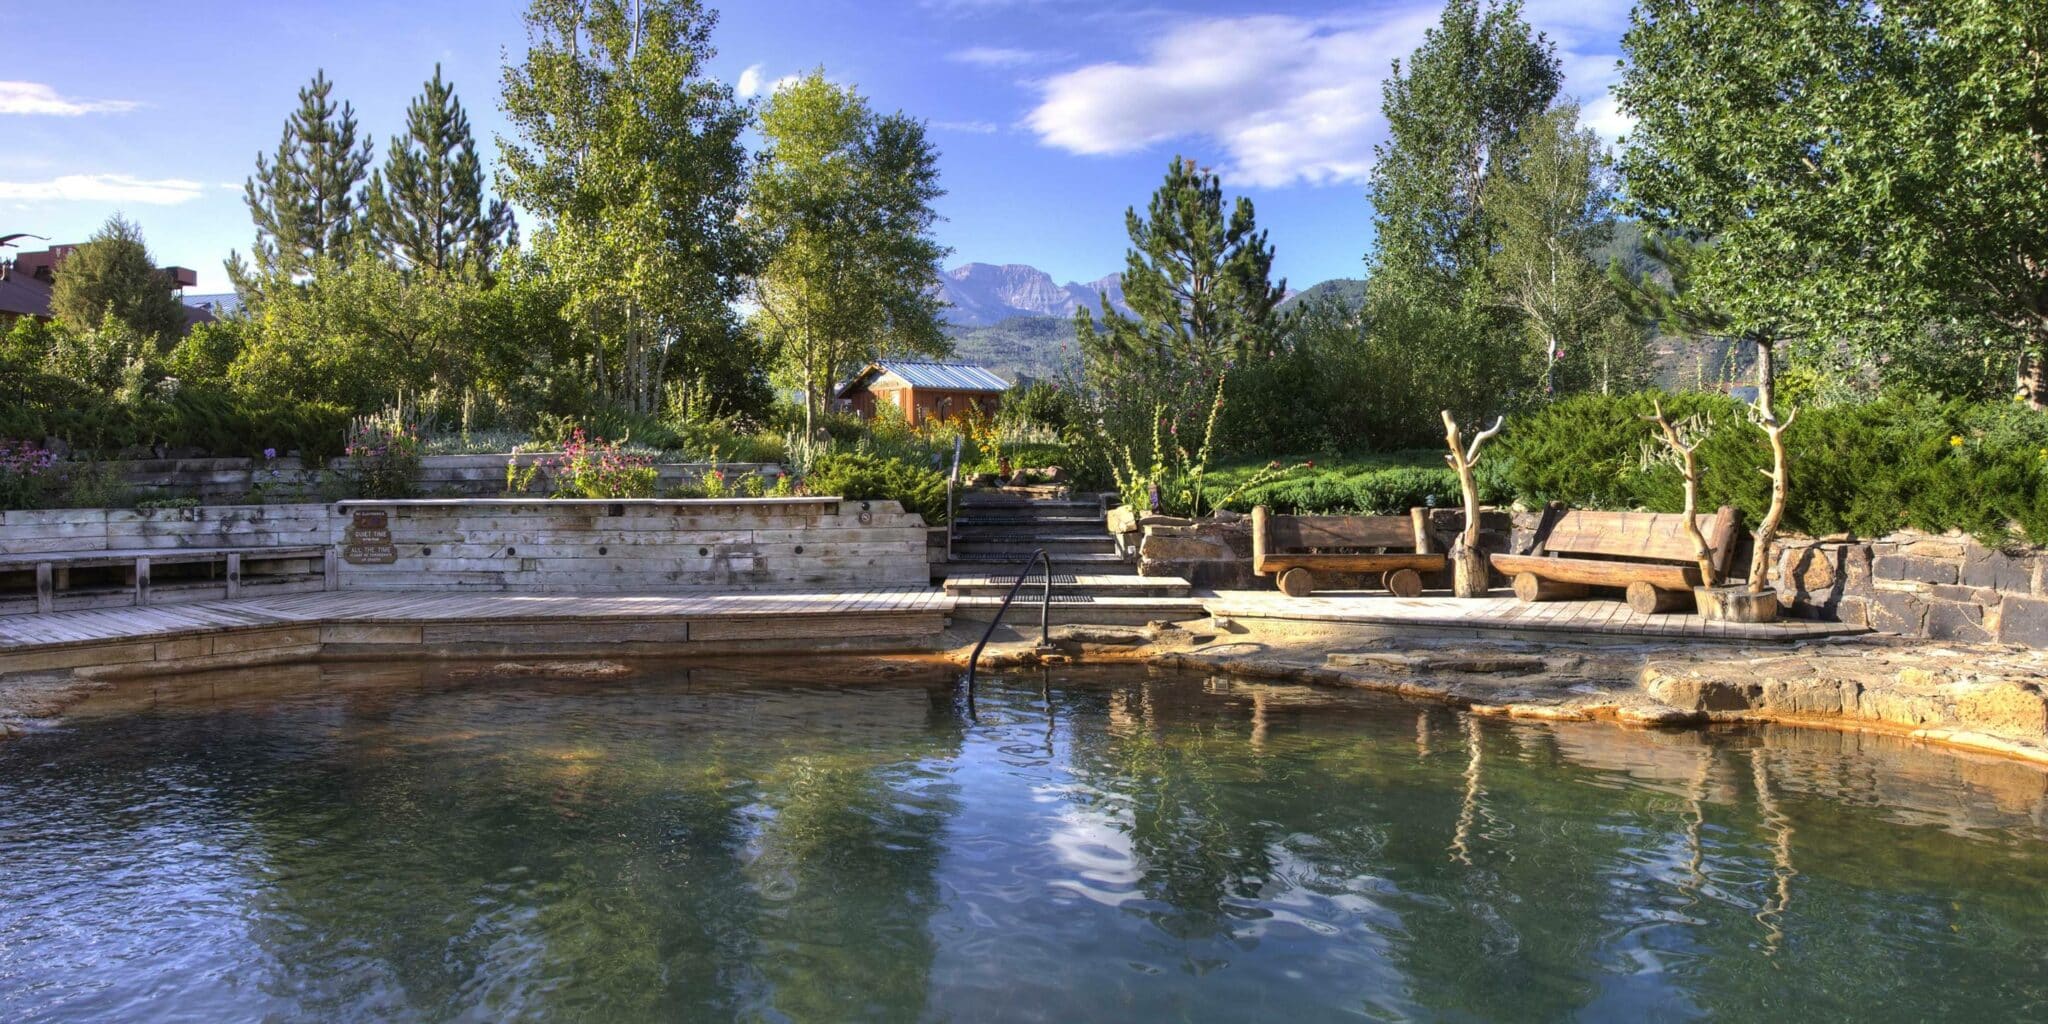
46,587
142,580
1644,599
1402,582
1297,582
1530,588
234,574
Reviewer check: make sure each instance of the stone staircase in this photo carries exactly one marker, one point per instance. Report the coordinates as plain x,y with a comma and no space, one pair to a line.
995,531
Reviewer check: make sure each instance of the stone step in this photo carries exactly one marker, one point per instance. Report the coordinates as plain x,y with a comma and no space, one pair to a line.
1096,584
1032,533
1095,611
970,517
1018,550
1096,564
981,500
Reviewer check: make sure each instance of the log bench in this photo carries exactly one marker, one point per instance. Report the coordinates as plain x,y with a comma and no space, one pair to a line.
1299,547
46,581
1649,555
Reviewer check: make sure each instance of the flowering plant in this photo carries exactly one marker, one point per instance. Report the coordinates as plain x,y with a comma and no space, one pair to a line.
383,456
24,471
596,468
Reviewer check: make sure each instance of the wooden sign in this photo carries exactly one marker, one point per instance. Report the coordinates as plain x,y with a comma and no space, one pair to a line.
367,540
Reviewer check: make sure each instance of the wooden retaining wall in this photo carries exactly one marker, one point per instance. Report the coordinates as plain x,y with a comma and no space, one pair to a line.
651,545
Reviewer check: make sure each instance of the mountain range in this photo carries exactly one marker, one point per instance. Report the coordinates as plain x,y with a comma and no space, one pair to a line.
980,294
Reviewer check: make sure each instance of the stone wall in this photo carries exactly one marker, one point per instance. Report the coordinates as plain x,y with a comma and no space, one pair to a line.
1946,587
290,480
654,544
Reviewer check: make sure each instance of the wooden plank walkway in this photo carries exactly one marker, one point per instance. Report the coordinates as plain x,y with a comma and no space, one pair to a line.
61,629
1590,620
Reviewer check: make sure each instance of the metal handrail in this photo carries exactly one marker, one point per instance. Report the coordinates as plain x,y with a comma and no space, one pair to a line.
1044,614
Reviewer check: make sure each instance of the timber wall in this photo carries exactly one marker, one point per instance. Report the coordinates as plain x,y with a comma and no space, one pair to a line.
569,546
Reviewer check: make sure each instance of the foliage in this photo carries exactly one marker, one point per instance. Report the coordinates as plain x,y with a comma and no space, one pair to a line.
1198,283
1383,484
305,200
1866,468
1454,112
842,203
857,476
596,468
426,208
362,334
1042,403
112,276
24,474
1167,479
1552,213
630,154
383,456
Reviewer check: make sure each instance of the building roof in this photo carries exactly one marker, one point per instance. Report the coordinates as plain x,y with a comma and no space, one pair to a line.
23,295
943,376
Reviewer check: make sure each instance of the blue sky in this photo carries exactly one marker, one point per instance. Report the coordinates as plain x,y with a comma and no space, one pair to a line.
1052,116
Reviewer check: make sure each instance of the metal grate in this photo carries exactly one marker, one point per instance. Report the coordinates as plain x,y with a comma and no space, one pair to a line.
1073,599
1034,578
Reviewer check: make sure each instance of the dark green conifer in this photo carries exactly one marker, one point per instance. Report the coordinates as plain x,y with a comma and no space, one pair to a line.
426,207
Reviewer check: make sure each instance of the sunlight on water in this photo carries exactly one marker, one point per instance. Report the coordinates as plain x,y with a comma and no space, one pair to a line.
364,842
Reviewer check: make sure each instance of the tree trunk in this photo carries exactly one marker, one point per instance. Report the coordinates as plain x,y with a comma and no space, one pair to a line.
1468,560
2033,374
1767,418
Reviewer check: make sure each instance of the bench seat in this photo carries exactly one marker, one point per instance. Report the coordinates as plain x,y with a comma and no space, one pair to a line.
1295,548
1600,572
47,581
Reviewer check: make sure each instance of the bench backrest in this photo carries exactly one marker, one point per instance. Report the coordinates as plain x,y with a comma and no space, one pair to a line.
1273,534
1633,536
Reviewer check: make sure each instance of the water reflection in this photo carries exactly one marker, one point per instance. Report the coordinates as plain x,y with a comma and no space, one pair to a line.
395,843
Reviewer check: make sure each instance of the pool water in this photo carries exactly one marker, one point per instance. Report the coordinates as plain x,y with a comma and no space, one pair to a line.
1081,847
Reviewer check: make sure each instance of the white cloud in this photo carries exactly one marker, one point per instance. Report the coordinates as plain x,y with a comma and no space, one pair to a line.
104,188
750,81
1278,99
1002,56
37,98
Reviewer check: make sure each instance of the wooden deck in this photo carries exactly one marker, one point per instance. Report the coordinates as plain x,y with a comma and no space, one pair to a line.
208,634
1592,620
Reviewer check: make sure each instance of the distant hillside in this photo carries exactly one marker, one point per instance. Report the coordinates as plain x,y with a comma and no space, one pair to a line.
1351,290
983,294
1026,346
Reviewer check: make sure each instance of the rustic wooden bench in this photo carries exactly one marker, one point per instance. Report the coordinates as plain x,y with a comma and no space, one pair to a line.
1648,554
1298,547
45,581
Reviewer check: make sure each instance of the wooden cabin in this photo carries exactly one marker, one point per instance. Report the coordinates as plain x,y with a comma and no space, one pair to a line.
923,391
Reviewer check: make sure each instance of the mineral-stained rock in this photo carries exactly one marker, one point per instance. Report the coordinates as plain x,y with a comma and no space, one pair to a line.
2017,710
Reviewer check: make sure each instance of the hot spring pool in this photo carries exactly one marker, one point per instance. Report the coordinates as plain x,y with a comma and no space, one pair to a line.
714,846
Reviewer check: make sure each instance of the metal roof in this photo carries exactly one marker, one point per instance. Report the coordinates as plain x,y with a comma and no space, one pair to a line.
945,376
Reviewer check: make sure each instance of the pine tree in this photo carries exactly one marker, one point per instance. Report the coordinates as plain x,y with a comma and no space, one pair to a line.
1200,283
426,206
306,200
112,276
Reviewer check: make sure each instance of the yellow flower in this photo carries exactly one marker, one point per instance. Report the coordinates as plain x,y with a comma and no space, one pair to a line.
1955,440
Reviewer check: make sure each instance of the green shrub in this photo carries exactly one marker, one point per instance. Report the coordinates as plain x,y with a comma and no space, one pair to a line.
1864,468
861,477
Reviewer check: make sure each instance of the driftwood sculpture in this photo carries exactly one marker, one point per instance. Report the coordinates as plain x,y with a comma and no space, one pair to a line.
1681,441
1757,602
1468,561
